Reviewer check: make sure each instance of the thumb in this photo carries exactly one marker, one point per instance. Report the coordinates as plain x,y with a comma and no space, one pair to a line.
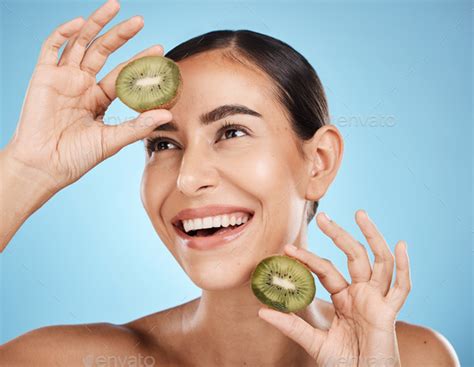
115,137
295,328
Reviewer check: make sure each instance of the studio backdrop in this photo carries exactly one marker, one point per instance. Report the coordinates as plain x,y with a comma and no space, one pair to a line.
398,80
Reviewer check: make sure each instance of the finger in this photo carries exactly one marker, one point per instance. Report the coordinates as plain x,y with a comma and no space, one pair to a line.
115,137
107,84
94,24
399,292
98,52
383,258
50,49
357,257
67,49
295,328
327,273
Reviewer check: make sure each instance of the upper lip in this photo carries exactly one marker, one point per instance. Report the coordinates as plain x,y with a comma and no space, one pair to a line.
208,211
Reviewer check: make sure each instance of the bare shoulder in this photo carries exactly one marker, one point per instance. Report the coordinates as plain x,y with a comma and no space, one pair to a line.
70,345
150,340
163,333
423,346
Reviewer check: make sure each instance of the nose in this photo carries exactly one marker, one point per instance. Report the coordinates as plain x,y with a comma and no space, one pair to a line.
197,173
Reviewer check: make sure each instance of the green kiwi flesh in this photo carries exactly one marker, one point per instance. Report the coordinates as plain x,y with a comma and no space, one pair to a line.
283,283
150,82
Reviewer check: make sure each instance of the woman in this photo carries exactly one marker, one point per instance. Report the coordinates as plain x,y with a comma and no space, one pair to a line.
271,99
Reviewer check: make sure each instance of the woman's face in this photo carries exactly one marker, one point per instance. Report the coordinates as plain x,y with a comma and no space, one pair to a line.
257,167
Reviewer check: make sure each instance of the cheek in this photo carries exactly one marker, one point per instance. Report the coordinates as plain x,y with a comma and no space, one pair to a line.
269,175
277,180
154,187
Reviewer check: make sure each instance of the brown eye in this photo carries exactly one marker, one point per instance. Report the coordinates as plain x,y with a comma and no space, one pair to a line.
228,133
158,144
163,144
233,131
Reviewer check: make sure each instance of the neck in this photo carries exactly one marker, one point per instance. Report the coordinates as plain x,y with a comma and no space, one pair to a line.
224,325
233,334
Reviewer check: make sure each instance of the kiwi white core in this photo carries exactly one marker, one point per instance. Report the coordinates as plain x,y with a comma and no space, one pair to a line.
145,82
284,283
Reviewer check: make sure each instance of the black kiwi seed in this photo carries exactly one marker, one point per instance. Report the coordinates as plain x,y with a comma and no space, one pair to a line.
138,79
289,295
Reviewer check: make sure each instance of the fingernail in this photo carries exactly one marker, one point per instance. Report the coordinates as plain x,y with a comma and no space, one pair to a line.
137,17
164,115
151,118
292,247
266,313
327,217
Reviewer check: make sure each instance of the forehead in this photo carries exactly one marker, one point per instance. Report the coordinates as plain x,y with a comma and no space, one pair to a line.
210,79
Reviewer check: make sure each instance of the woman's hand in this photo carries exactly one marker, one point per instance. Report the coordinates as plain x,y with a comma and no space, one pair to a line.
363,329
61,135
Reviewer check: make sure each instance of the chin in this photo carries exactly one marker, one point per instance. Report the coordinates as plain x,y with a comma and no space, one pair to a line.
218,275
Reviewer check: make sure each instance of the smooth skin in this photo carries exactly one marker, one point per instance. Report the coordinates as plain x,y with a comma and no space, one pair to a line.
61,136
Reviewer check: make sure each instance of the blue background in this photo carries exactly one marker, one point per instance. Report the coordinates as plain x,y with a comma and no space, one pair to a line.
398,79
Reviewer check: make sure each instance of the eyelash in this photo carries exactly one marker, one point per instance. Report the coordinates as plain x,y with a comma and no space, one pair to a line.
151,143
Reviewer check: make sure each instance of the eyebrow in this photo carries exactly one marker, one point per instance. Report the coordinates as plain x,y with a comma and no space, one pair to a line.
214,115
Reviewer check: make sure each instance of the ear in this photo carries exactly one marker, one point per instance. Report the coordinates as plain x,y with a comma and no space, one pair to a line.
324,152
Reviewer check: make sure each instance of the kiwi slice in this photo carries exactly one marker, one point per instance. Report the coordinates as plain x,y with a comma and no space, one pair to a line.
148,83
283,283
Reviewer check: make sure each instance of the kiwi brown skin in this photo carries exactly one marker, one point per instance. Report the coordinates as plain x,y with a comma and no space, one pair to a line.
284,304
167,105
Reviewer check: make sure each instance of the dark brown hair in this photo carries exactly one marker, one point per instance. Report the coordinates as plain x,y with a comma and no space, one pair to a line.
298,87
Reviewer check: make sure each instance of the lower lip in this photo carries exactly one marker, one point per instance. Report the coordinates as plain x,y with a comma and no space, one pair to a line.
210,242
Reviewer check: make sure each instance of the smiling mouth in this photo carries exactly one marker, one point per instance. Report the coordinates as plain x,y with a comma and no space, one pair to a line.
208,232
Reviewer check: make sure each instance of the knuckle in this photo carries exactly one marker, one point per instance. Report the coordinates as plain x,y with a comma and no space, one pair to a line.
50,39
57,33
328,263
378,258
102,47
390,258
82,40
338,236
85,37
121,37
357,251
98,22
406,288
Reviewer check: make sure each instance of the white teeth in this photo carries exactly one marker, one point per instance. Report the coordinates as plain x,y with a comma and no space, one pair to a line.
225,221
186,225
215,222
207,222
196,223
